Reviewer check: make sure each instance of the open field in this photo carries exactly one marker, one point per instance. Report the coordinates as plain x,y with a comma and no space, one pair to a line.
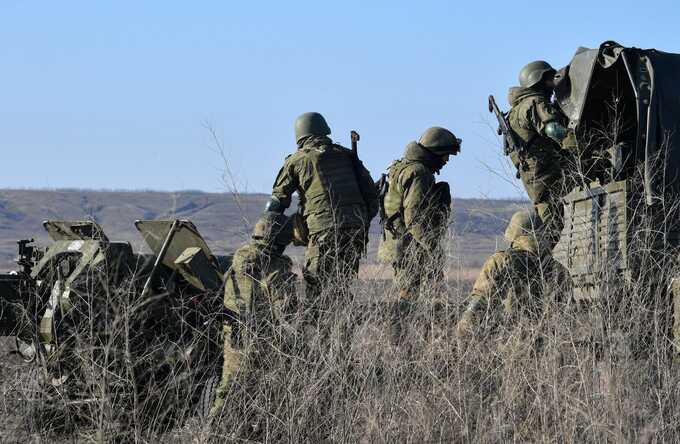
601,371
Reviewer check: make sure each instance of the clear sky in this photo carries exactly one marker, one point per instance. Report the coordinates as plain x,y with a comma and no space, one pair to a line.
122,94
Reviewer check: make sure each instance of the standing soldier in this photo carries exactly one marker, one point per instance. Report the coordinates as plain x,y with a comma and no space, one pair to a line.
337,200
513,281
540,128
258,284
414,212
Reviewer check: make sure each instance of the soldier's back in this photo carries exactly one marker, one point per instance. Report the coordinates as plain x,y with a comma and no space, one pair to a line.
332,197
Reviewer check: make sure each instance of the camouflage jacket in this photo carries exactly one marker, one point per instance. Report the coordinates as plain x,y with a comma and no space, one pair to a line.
332,193
512,282
544,159
258,280
415,203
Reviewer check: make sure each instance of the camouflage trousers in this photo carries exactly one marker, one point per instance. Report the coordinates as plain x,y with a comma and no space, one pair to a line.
417,271
331,265
552,215
245,341
233,355
549,205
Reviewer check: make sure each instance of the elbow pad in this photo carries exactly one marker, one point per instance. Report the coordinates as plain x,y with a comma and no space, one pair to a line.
274,205
555,131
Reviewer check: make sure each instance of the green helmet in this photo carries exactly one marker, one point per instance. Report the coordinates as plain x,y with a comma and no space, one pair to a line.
310,124
522,223
534,72
440,141
273,228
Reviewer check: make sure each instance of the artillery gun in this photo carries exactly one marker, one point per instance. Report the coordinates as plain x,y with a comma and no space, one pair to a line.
141,330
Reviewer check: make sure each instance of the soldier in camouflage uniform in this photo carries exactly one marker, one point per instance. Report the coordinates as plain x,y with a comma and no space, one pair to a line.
337,201
512,281
258,284
415,212
540,128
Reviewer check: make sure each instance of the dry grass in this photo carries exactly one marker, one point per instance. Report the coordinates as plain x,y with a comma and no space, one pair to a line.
595,373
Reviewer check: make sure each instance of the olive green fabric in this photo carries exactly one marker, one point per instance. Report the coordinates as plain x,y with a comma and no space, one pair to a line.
411,204
543,165
257,286
331,263
232,357
332,194
511,281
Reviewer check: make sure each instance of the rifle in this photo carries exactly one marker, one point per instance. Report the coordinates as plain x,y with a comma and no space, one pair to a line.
358,166
510,142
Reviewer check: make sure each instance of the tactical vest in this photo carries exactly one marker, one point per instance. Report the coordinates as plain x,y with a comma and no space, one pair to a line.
540,164
392,200
332,194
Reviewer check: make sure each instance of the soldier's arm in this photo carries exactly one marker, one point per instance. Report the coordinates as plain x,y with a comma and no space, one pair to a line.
416,200
285,185
548,121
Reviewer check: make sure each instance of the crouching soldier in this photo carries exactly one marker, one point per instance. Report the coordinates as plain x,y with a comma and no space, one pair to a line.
414,212
258,285
514,282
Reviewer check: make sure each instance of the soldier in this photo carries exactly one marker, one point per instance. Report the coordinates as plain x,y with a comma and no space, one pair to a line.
337,200
415,210
512,280
257,286
540,129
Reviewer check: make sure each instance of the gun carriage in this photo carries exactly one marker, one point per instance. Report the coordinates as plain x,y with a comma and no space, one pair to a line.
88,310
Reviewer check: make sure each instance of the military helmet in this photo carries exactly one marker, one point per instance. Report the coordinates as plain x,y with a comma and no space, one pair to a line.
310,124
534,72
440,141
274,228
522,223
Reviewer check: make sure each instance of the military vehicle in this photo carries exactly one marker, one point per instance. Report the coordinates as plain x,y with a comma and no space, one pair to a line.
621,231
104,322
621,217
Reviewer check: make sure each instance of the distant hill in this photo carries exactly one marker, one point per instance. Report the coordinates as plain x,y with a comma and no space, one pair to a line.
225,220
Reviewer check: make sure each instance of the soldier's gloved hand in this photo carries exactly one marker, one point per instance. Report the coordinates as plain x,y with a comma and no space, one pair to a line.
570,143
463,330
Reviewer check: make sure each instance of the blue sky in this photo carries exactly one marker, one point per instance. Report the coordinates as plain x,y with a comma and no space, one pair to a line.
122,94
